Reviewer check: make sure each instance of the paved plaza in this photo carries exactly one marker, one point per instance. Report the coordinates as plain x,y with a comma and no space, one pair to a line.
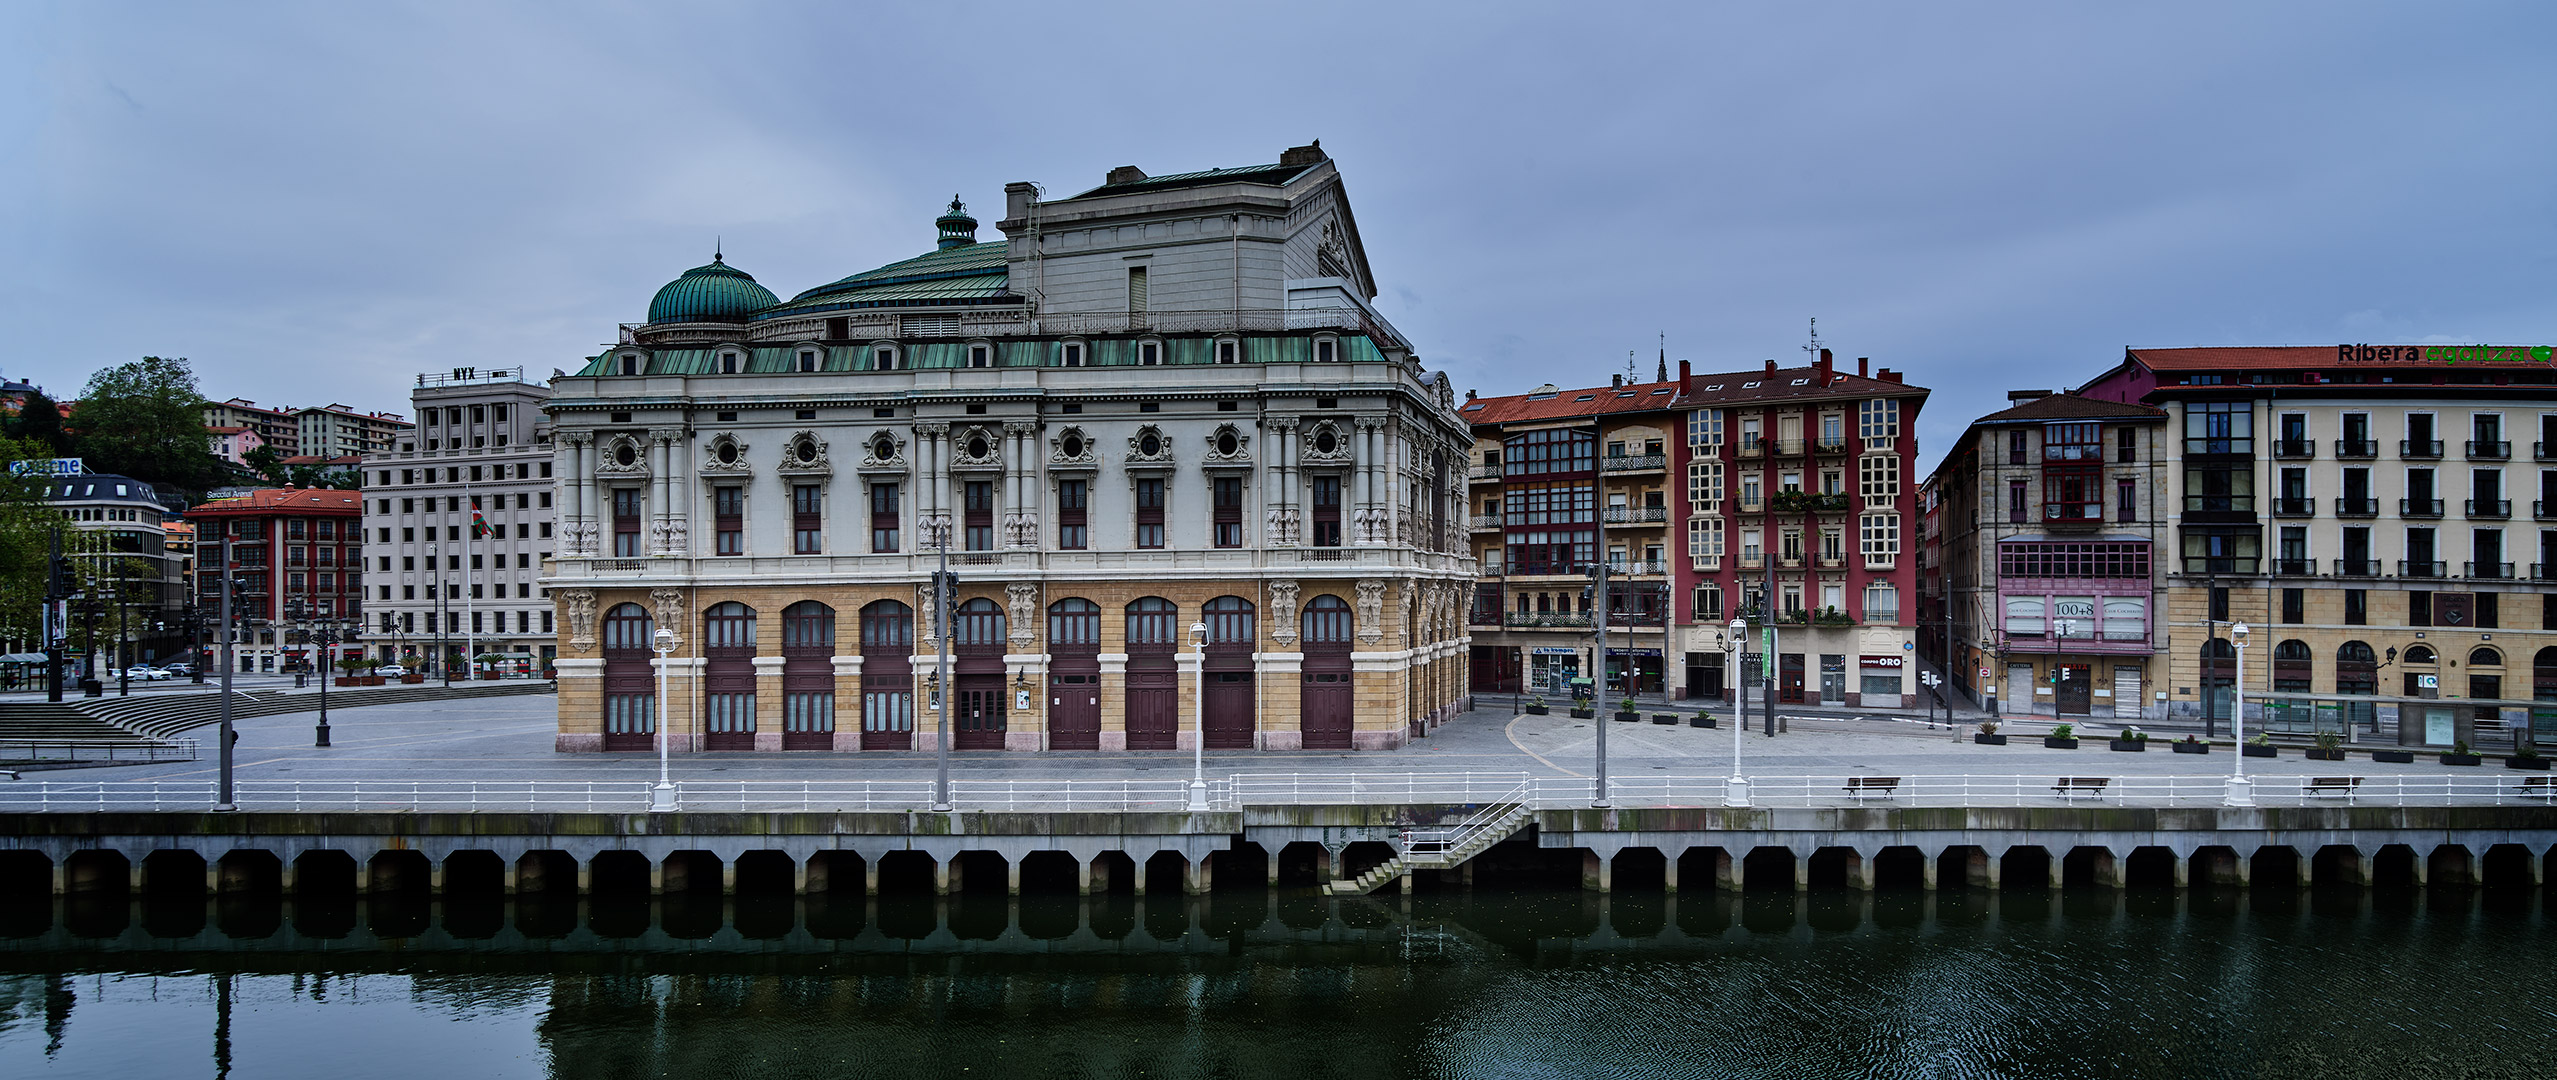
509,739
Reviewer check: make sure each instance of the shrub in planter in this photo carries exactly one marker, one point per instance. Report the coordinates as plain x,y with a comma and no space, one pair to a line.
1583,712
1627,713
2259,746
1988,734
2131,741
1664,718
1537,708
1701,719
2330,747
2189,745
2063,737
2459,755
2398,757
2526,758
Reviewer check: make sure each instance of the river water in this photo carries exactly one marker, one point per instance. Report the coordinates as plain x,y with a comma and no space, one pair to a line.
1515,983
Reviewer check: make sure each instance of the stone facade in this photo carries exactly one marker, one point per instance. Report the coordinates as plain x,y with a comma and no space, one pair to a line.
1263,462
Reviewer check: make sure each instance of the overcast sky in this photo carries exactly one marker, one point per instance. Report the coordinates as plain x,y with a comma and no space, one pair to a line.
315,202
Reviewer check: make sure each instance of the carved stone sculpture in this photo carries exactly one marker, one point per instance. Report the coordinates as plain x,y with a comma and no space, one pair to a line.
1371,610
1283,613
579,604
668,607
1025,613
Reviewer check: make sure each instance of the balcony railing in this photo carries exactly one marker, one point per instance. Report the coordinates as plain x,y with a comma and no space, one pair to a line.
2294,448
1624,567
2490,508
2356,448
1804,502
1633,515
1557,619
1827,446
2543,509
2500,571
2421,568
2540,451
2543,571
1792,447
2352,507
1750,446
2489,450
2419,448
1483,472
2294,507
1752,560
2295,567
2080,513
2219,504
1482,617
1485,521
1633,462
2231,564
2356,568
1747,505
2419,508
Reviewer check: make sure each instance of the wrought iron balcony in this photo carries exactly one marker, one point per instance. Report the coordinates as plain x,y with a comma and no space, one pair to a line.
2490,508
1483,472
2422,569
2486,450
2352,507
1633,515
1547,619
2294,448
2419,448
2543,571
2491,570
1792,447
2356,568
2543,509
1633,462
2295,567
2356,448
1828,446
2419,508
2294,507
1485,521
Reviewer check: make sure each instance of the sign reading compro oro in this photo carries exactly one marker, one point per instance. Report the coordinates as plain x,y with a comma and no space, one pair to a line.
2445,354
1892,662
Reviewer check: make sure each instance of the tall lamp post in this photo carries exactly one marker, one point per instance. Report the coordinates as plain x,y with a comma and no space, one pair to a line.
2241,791
661,798
1735,636
1198,744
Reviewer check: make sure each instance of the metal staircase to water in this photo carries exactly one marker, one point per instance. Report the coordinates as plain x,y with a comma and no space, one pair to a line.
1445,847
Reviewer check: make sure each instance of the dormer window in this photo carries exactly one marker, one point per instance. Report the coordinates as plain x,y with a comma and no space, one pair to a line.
1228,352
979,356
1074,354
727,363
1149,354
807,359
883,358
629,366
1323,353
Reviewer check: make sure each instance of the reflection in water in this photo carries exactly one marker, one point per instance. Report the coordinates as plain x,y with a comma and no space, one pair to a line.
2143,983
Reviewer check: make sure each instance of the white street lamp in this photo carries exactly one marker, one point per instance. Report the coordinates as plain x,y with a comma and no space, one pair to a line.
662,798
2241,791
1198,745
1735,792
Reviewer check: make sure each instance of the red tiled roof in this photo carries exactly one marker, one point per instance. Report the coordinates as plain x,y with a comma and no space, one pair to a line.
2071,407
280,500
2239,357
1704,389
1790,384
1563,404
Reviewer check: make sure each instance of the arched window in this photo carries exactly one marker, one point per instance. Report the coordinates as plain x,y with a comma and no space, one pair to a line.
808,625
977,623
2292,666
2293,649
2355,652
2420,654
627,628
630,700
1074,623
887,625
729,626
1153,622
1229,622
2485,656
2356,669
1328,621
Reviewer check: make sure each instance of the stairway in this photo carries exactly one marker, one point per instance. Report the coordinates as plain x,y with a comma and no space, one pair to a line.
1444,848
50,723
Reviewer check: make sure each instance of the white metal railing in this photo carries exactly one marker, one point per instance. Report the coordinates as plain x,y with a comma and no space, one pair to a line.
1502,816
1489,790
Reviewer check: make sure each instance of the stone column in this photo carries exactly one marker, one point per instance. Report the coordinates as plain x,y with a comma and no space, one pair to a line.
1860,872
1668,872
1012,877
1726,870
768,710
1928,868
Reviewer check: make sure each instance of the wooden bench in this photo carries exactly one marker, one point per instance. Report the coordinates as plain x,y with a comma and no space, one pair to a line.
2331,785
1861,786
2072,785
2541,786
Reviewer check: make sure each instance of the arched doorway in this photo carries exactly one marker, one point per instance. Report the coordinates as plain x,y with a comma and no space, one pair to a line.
1074,675
2357,672
1154,679
2294,672
630,687
1232,635
976,646
1328,706
887,676
728,676
807,676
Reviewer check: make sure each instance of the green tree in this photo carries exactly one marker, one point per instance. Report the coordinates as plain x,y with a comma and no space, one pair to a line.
266,463
26,524
39,422
146,420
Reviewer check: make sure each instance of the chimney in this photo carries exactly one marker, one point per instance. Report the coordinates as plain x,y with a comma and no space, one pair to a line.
1887,375
1617,381
1124,174
1469,395
1686,379
1860,367
2027,395
1310,154
1771,364
1826,370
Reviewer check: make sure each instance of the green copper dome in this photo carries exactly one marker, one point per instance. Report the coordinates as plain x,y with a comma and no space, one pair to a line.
714,293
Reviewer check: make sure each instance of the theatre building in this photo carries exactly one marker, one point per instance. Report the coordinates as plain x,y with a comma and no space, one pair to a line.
1190,481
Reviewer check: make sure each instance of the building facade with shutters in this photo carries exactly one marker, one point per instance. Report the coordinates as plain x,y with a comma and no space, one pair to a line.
2384,518
2049,520
1191,484
459,517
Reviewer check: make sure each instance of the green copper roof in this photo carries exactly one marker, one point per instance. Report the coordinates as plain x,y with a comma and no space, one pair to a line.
714,293
953,274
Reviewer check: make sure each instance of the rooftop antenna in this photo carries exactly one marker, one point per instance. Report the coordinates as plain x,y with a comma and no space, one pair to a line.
1629,367
1814,347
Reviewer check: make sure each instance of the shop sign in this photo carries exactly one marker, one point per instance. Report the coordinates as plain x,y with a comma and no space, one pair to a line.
1891,662
2445,354
1554,650
1633,652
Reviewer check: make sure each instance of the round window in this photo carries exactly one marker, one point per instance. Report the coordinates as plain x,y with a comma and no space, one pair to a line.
1225,443
1324,442
807,450
977,447
625,456
883,449
1149,445
728,453
1073,446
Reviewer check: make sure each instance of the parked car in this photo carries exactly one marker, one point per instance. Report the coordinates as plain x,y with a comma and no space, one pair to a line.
390,670
180,670
145,672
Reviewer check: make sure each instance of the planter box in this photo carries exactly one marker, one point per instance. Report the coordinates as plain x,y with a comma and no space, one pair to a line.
376,680
1536,710
2252,750
2398,757
1584,714
412,680
2315,754
1664,718
2131,746
2460,759
2056,743
1629,717
2189,747
490,675
350,680
2539,763
1981,739
1700,720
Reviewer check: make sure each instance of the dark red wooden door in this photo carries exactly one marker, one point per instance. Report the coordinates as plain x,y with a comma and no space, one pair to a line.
1074,711
1230,712
980,719
1154,705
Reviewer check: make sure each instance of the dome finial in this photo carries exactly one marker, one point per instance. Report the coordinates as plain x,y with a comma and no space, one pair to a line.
717,244
957,228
